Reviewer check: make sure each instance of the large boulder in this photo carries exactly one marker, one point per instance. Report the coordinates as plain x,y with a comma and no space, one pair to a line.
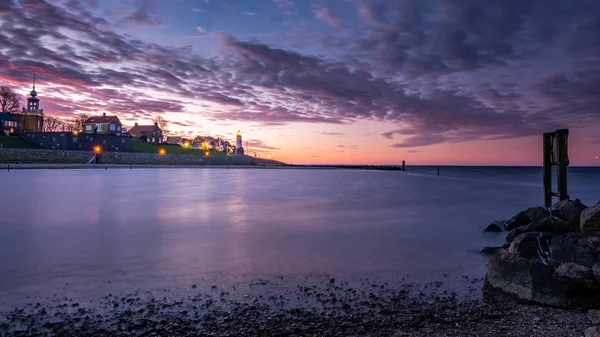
551,224
528,245
579,248
527,216
512,277
576,278
596,271
569,210
590,219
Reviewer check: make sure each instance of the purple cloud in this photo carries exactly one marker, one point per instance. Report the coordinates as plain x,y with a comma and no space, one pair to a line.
326,15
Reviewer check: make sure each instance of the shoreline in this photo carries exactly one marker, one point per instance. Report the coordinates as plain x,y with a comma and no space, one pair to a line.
63,166
328,308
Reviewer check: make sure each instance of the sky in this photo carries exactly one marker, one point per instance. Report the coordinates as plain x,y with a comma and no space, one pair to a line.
462,82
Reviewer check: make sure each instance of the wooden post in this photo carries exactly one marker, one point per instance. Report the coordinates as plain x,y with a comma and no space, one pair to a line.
403,165
555,154
438,171
563,162
548,162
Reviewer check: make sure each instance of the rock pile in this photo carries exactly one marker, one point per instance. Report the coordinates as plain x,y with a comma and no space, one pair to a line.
553,258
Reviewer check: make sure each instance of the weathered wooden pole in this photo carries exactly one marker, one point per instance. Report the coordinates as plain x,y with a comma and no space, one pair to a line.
555,154
548,162
403,165
563,161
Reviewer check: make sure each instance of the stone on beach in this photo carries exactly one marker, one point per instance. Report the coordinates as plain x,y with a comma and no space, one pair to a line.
590,219
492,249
551,224
575,277
526,217
552,260
527,245
569,210
580,248
496,226
525,280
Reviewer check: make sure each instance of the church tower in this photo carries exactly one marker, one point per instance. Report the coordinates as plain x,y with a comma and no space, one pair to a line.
239,149
32,117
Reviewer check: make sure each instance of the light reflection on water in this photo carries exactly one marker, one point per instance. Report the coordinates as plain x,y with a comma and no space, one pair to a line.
71,232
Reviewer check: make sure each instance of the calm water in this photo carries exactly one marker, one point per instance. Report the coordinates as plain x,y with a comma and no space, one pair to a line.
84,233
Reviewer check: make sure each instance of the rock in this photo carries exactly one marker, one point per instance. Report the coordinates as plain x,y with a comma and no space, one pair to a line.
525,280
492,249
579,248
596,271
593,331
549,224
570,211
593,316
590,219
575,278
496,226
527,245
526,217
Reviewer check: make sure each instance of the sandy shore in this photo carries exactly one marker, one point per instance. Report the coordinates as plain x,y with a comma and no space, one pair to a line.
329,308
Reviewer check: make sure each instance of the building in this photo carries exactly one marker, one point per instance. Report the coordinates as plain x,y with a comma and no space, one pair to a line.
239,148
9,123
32,117
175,140
147,133
103,125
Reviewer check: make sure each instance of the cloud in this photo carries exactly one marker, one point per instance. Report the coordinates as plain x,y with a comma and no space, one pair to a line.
143,14
454,72
325,133
326,15
200,29
252,13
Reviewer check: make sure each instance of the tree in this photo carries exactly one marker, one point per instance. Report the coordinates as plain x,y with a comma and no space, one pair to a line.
78,121
9,101
51,124
54,124
162,124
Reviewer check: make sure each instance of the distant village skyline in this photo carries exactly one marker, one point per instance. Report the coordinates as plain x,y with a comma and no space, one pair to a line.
361,81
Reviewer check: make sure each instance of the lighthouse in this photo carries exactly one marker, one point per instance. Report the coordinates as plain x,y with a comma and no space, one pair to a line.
239,148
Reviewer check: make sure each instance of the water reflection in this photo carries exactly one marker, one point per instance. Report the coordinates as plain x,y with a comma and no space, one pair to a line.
74,231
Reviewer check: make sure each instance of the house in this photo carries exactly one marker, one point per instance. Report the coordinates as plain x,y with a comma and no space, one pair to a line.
104,125
9,124
147,133
175,140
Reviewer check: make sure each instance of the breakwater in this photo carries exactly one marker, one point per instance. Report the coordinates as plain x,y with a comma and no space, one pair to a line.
40,156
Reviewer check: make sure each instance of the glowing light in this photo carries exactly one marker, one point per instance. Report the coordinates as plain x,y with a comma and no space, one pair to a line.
205,146
12,130
269,156
207,153
186,145
162,151
97,149
75,133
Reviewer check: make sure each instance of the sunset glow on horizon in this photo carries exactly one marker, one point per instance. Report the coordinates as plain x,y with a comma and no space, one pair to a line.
431,82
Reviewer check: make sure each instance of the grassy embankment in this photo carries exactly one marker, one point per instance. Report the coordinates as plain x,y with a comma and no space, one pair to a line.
13,142
143,147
